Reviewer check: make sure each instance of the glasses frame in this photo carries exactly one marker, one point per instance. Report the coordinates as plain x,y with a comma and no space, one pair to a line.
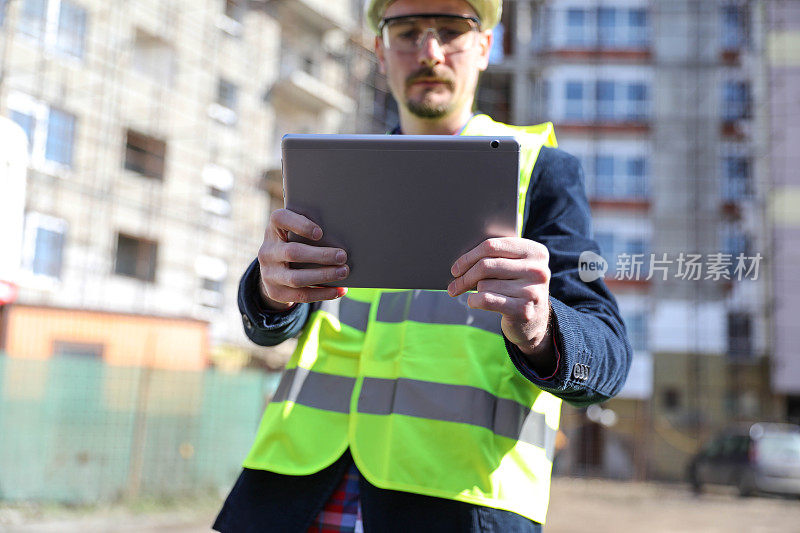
423,36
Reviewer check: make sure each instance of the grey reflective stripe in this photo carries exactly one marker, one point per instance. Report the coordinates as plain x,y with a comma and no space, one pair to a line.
456,403
315,389
435,307
350,312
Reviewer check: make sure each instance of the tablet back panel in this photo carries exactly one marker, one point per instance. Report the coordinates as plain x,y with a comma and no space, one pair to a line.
404,207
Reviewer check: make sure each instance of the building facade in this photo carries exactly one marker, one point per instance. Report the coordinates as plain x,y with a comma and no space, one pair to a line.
154,143
782,53
664,105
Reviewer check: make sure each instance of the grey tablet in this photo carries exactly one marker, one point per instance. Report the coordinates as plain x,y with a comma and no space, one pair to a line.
404,207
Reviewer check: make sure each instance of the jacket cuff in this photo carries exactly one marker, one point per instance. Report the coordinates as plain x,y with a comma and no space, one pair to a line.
572,369
264,326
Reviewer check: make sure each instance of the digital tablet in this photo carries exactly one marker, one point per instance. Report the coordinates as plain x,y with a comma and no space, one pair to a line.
404,207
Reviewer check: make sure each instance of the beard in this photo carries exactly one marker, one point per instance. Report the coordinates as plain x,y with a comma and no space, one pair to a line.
424,107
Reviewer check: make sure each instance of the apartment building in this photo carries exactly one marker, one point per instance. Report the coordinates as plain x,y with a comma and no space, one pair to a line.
663,103
154,155
782,66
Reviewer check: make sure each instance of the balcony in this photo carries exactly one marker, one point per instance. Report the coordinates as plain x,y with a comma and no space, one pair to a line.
599,55
303,83
313,15
304,91
635,205
600,127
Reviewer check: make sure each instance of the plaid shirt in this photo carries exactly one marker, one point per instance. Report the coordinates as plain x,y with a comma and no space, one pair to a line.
342,512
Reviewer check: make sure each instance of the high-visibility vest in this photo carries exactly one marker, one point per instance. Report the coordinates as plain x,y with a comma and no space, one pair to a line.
420,388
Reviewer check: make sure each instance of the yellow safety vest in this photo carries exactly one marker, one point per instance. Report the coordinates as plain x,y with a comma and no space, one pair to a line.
420,388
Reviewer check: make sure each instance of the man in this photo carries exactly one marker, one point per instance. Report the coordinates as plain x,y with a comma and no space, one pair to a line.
426,410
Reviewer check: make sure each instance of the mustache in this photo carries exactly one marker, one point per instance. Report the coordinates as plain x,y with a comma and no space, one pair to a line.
429,74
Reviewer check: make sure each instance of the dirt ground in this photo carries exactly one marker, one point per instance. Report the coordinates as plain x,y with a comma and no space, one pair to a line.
600,506
576,506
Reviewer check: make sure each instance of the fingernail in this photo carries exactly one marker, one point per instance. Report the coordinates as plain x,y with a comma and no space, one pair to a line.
341,272
341,257
450,289
316,234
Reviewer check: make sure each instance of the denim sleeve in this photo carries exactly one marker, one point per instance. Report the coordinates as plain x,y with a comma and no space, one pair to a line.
264,326
594,354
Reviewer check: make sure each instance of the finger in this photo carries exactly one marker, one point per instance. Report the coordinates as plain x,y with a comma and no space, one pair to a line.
306,277
296,252
307,294
491,301
286,220
515,288
499,268
509,247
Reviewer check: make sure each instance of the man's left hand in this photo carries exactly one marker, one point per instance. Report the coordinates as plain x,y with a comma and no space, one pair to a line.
512,277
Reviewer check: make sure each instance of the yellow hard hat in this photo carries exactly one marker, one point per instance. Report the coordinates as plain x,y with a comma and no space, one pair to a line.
488,11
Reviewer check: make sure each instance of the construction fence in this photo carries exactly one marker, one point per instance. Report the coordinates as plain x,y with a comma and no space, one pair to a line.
77,430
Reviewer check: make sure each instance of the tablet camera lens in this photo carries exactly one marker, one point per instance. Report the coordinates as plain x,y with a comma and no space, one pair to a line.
495,144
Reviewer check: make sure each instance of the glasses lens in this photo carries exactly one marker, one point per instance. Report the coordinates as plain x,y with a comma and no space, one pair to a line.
409,33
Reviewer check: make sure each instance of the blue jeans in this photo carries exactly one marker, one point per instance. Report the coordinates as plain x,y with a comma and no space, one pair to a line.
265,501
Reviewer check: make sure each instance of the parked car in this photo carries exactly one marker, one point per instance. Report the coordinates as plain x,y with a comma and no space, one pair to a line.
756,458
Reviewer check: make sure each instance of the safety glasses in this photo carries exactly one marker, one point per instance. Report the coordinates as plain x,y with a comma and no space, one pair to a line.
454,33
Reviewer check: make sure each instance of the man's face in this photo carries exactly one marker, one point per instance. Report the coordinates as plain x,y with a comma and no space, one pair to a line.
431,83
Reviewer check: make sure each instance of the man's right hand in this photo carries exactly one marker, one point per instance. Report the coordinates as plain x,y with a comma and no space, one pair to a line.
282,286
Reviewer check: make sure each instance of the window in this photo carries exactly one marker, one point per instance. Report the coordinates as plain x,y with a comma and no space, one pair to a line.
71,29
136,257
735,100
214,285
574,100
576,27
60,133
33,17
51,131
637,186
43,245
739,335
219,183
28,124
604,176
637,101
234,10
227,94
58,24
735,242
212,272
734,27
636,327
224,109
736,178
612,245
605,99
637,22
605,27
618,177
145,154
672,399
77,349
